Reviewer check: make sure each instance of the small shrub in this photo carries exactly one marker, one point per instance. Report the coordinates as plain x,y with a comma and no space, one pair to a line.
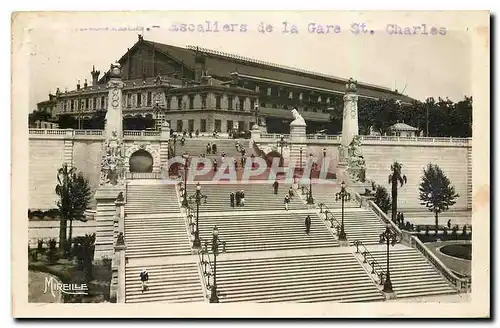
39,246
53,256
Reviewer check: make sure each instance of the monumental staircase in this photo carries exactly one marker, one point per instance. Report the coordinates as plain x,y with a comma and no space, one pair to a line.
196,147
269,257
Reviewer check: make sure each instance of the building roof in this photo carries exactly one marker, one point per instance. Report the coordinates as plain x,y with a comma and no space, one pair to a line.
402,127
221,65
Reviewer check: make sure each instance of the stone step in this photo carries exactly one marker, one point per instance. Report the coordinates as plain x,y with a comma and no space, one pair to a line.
167,283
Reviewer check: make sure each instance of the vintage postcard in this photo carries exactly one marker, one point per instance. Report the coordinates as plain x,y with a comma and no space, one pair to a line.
279,164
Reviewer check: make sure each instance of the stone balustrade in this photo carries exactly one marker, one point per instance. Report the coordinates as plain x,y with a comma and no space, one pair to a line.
91,134
319,138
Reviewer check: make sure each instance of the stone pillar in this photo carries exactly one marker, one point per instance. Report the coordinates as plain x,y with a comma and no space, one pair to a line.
350,129
114,118
255,133
112,163
297,140
164,144
350,126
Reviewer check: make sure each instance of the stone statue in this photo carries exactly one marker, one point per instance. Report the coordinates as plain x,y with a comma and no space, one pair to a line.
355,147
356,166
298,119
113,145
112,161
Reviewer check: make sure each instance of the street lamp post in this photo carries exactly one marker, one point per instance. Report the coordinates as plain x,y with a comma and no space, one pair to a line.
197,197
186,159
342,195
282,143
310,199
216,242
390,238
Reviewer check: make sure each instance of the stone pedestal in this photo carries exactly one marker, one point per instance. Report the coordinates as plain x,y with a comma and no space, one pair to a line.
255,133
297,140
342,174
343,243
390,296
106,213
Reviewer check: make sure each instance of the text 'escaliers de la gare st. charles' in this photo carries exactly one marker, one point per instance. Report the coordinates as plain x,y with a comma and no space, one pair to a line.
356,28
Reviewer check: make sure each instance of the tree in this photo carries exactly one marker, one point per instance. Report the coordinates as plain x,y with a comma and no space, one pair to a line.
74,196
436,191
395,178
382,199
81,196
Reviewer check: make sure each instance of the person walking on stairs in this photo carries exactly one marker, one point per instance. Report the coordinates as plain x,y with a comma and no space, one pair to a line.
308,224
290,192
144,279
275,186
238,198
242,195
449,224
214,148
287,201
209,148
231,197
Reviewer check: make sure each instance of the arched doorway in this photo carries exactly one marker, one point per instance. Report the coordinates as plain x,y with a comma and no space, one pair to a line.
141,161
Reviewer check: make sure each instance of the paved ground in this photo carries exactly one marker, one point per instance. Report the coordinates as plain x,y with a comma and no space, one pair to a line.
426,217
36,288
461,266
454,298
50,229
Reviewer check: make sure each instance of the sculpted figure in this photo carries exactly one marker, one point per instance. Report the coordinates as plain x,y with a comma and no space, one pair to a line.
297,117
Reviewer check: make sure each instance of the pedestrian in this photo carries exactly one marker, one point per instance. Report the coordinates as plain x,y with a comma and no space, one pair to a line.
190,134
231,197
286,201
402,218
290,192
243,161
308,224
242,195
197,133
449,224
215,164
183,140
238,198
214,148
144,279
275,187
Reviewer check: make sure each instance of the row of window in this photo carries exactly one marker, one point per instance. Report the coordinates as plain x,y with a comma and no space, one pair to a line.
77,104
149,99
296,95
230,126
231,104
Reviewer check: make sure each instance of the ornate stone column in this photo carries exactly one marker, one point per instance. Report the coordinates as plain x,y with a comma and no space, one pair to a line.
350,128
112,179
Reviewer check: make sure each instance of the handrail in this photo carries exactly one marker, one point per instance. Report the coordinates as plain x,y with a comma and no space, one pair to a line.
329,211
461,284
373,261
384,217
206,273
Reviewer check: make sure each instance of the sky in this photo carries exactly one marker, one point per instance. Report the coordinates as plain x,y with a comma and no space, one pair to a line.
61,53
